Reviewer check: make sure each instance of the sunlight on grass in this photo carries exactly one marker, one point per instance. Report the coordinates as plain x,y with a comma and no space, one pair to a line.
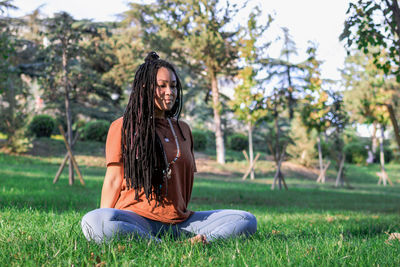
310,224
57,137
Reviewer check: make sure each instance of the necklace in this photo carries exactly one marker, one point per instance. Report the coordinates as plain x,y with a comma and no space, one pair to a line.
178,151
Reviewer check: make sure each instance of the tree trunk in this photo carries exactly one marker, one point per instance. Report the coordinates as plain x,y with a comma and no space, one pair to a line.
374,139
394,123
11,110
321,166
251,153
340,174
219,135
67,112
382,154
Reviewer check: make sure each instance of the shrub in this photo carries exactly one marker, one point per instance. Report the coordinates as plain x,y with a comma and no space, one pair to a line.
95,130
41,126
237,142
387,152
356,153
199,140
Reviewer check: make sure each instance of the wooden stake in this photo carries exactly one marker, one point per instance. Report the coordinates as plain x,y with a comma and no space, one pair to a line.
383,178
245,155
279,177
71,156
66,157
323,173
251,167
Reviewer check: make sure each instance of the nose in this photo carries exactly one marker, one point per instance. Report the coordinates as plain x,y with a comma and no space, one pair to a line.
169,90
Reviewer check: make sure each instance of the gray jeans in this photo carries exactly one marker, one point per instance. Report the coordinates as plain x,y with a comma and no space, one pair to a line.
105,224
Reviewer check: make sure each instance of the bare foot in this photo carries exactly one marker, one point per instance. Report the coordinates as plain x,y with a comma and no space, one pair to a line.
198,239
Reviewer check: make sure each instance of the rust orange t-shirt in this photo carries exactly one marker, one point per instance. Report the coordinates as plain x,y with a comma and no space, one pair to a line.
173,208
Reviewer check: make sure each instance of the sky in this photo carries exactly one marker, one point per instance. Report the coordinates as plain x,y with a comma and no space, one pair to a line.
320,21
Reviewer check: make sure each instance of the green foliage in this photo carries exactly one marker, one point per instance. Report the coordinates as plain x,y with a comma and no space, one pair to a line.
199,140
368,89
247,93
302,149
315,109
356,153
76,64
375,24
237,142
41,126
95,130
387,152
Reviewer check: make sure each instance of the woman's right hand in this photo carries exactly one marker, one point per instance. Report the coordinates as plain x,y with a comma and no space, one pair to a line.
111,185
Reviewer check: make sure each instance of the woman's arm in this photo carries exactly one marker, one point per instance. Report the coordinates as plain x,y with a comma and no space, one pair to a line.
111,185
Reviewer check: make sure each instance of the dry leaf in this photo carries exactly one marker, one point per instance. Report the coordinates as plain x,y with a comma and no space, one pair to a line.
394,236
330,219
275,232
121,248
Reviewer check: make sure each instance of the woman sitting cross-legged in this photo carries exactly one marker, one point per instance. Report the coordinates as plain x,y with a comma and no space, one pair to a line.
150,170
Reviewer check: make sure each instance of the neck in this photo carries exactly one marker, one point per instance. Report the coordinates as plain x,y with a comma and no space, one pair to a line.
159,113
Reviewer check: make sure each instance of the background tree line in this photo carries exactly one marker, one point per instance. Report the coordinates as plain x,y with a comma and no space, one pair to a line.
82,71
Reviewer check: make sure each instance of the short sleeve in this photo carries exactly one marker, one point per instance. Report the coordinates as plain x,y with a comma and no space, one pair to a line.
113,143
191,147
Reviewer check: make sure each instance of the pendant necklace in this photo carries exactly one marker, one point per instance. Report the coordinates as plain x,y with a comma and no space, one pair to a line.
178,151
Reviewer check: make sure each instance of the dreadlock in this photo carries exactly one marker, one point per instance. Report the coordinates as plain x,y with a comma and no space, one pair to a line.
144,158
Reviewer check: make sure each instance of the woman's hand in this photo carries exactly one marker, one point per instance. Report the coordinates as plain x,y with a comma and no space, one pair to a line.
111,185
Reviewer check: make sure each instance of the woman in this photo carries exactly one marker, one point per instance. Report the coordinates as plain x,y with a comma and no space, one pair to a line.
150,169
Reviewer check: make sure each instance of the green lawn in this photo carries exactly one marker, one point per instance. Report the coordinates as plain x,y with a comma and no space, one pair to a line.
311,224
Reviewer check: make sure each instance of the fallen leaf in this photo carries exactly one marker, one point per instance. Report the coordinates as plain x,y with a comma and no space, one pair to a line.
275,232
330,219
121,248
394,236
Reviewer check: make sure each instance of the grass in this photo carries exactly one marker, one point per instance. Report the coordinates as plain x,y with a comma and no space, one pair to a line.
311,224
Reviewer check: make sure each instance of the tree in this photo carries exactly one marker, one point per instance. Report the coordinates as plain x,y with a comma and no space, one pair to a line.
376,24
315,107
247,95
64,65
14,94
339,119
287,71
275,104
303,143
196,34
367,88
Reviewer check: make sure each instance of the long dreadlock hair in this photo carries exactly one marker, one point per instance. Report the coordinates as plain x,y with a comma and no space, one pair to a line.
144,158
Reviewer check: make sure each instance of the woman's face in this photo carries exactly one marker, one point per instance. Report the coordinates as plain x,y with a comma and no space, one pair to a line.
166,91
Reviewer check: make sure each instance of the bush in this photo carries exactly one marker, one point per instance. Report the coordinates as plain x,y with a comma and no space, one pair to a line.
237,142
387,152
356,153
41,126
199,140
95,130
